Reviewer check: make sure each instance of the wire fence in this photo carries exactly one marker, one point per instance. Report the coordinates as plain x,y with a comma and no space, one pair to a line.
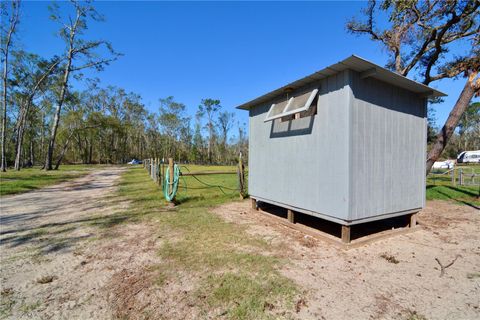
456,176
156,170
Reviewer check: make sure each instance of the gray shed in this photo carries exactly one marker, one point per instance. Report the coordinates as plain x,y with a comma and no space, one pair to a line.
345,144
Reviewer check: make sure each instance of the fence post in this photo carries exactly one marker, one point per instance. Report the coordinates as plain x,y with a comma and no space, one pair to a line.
453,176
162,171
170,176
156,170
151,168
241,177
460,177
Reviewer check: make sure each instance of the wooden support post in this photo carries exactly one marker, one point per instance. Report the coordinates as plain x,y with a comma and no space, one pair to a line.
291,216
254,204
241,177
453,176
460,177
159,173
413,220
346,234
163,175
151,167
152,175
170,174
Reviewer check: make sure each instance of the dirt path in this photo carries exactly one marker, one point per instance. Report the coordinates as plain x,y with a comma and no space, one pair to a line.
64,254
396,278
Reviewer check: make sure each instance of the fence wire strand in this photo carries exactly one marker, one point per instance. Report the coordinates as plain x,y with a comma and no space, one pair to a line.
207,185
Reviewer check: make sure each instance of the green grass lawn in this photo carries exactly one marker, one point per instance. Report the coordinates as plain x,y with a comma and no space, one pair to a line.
12,182
440,187
234,276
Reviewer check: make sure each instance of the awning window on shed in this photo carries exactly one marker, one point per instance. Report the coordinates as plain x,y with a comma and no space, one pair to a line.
291,106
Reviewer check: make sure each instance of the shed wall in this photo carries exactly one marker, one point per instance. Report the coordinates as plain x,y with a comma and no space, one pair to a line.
304,163
388,149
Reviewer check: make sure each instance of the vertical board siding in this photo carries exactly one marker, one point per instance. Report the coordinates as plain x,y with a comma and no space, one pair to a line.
388,149
361,156
304,163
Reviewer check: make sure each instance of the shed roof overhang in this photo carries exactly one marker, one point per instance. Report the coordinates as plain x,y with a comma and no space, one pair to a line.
364,67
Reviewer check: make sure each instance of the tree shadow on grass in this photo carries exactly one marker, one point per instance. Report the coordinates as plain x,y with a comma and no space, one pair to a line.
459,200
469,193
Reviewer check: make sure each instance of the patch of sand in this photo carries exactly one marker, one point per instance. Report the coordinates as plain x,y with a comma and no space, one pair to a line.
361,284
64,256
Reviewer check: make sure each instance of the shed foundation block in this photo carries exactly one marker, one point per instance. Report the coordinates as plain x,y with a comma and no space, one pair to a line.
291,216
345,234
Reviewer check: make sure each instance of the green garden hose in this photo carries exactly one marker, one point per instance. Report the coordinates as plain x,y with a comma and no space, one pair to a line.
176,176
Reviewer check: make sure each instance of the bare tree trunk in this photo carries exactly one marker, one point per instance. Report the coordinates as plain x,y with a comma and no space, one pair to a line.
210,140
32,152
452,121
42,138
62,154
13,23
90,151
3,166
58,109
22,119
19,145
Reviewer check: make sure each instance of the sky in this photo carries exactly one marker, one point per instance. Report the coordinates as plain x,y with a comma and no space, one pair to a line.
232,51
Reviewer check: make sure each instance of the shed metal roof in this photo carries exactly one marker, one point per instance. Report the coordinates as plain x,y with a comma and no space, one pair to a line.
354,63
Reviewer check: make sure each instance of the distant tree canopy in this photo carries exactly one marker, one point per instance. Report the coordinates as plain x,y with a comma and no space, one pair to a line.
47,121
423,37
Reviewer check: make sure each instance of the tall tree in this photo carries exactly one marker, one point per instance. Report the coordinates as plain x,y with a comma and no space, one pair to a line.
225,124
172,120
7,31
77,50
32,75
209,108
197,146
420,35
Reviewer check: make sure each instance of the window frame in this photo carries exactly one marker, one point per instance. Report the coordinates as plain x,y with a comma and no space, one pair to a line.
285,112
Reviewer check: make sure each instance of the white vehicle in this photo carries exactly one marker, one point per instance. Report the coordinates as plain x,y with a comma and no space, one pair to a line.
447,164
469,157
135,161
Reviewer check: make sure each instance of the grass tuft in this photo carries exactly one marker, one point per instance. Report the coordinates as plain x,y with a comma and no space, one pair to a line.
233,275
244,296
440,187
13,182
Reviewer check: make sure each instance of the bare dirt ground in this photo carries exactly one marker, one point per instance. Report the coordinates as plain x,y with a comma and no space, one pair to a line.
395,278
64,257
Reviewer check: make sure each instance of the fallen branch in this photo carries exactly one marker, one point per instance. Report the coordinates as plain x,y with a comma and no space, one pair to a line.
442,270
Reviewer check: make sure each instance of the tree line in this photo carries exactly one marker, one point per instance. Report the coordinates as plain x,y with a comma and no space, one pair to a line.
46,122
